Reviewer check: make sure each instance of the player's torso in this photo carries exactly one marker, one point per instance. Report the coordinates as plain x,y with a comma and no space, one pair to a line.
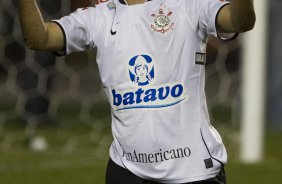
152,46
150,61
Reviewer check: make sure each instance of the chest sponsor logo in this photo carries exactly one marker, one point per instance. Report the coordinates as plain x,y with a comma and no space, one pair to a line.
142,74
162,20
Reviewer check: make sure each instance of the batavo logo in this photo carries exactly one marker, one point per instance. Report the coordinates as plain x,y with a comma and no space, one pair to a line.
145,95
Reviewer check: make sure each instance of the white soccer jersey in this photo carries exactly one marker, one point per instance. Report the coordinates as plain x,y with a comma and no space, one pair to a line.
151,61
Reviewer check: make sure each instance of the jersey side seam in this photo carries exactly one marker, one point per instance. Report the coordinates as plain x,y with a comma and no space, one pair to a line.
187,17
201,33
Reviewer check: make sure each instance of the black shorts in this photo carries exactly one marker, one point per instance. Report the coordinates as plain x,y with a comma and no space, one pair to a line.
119,175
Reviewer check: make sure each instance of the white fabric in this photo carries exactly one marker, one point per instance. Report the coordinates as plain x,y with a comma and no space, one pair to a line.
160,121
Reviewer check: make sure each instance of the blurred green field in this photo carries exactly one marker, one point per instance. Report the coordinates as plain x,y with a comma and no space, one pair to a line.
87,162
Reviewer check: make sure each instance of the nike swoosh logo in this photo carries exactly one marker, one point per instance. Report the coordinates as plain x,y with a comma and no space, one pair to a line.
113,32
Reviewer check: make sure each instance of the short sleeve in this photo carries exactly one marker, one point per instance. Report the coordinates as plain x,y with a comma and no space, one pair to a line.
203,15
78,29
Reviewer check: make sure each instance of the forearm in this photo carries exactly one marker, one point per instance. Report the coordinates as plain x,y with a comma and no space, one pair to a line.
34,30
242,15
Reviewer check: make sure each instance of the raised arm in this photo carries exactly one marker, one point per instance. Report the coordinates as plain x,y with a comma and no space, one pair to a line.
238,16
37,34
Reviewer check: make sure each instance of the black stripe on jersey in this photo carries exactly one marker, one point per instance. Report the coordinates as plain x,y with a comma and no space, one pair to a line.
208,149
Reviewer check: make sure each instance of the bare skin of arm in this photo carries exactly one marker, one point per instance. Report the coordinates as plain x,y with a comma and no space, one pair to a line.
37,34
239,16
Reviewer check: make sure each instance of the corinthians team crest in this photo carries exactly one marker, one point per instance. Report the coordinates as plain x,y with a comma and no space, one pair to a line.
162,22
141,70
